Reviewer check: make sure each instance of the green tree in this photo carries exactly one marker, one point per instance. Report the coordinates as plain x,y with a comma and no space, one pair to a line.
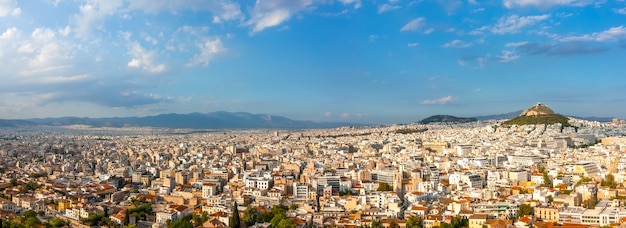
197,220
609,180
285,223
414,222
110,223
234,219
57,222
250,216
293,207
524,210
13,182
278,209
126,218
549,199
591,203
457,222
382,186
182,223
583,180
276,219
205,216
547,182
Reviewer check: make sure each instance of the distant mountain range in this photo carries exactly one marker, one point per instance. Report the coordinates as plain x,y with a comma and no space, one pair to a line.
233,120
508,115
213,120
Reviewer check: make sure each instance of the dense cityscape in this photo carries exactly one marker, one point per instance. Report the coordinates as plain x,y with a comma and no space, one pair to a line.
312,113
477,174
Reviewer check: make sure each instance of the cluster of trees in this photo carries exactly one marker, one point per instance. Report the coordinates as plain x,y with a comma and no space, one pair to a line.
346,192
414,222
410,130
457,222
102,219
96,219
541,119
30,186
189,221
609,180
417,222
547,181
524,209
382,186
591,202
583,180
29,219
276,217
140,212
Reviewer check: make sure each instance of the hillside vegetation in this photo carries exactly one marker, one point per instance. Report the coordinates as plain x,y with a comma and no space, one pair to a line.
539,119
446,119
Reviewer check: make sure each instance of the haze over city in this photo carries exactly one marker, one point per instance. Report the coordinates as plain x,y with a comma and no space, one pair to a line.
359,61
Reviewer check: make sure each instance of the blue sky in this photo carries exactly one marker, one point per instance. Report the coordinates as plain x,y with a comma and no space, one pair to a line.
366,61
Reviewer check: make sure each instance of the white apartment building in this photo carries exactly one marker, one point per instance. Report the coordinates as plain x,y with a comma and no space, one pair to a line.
208,190
300,191
601,216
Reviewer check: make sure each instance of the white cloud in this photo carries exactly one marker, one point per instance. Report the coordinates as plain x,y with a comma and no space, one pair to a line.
545,3
64,79
357,3
143,59
151,40
372,38
516,44
35,58
328,114
612,34
414,24
93,14
9,33
386,7
443,100
513,24
429,31
507,56
271,13
413,44
9,8
345,115
456,44
65,31
224,10
620,11
208,49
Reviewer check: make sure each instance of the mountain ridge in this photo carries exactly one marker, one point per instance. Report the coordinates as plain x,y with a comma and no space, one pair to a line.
195,120
225,120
